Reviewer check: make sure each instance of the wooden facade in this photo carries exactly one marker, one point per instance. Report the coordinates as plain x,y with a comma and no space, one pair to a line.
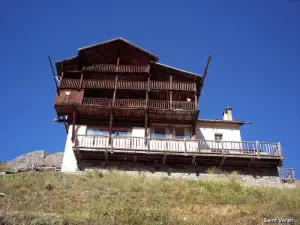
118,80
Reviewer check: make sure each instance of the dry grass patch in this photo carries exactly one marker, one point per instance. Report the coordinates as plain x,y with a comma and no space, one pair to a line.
112,198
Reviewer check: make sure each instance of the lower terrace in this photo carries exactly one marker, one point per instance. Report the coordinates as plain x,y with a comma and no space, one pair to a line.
158,150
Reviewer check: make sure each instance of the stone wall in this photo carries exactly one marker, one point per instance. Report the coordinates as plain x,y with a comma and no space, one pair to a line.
250,176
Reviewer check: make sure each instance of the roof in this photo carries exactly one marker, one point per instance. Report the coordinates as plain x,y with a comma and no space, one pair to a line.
176,69
119,39
239,122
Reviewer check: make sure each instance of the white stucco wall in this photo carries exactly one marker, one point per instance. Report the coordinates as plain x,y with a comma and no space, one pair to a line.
207,131
69,163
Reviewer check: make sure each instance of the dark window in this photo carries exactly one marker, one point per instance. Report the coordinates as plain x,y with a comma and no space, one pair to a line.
96,131
218,137
122,133
159,132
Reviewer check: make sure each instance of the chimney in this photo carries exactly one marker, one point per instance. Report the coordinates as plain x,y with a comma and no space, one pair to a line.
227,114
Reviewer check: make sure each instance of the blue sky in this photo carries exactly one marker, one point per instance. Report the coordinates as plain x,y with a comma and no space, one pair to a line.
255,67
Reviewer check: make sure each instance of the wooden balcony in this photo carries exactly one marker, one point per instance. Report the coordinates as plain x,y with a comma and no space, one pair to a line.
133,85
111,68
156,104
182,150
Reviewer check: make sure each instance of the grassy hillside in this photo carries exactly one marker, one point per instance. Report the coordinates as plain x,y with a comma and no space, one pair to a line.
96,198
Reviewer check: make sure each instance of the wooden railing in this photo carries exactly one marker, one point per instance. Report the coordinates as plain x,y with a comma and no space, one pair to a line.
187,146
139,103
111,68
67,99
129,103
93,83
103,102
135,85
70,83
287,174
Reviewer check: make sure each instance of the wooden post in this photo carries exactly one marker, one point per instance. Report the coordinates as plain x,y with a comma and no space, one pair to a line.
164,158
257,147
80,83
148,144
146,109
73,125
280,149
171,92
112,144
185,149
110,126
116,83
61,78
146,126
193,160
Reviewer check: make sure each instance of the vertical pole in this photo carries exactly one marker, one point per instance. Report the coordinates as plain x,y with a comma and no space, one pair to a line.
73,125
257,148
146,109
110,126
80,83
61,78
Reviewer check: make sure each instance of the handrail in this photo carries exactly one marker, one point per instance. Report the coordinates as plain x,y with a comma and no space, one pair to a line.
139,103
118,68
251,148
125,84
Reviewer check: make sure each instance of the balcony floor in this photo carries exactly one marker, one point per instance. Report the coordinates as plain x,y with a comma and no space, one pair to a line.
178,158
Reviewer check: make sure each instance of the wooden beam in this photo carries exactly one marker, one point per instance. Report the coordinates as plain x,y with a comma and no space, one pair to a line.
110,122
164,158
250,162
204,73
73,125
193,160
146,126
116,83
61,78
106,155
80,83
223,161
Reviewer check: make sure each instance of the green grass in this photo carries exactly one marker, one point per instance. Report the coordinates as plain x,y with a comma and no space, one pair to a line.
112,198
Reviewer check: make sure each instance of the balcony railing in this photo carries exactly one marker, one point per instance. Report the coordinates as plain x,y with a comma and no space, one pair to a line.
135,85
111,68
156,145
105,102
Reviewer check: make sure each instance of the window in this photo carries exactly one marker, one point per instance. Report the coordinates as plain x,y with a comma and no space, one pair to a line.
218,137
160,132
122,133
182,132
167,132
96,131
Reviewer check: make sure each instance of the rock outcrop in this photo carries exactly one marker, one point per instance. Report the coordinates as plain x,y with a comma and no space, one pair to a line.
36,159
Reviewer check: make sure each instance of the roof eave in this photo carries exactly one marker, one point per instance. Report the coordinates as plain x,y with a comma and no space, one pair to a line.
239,122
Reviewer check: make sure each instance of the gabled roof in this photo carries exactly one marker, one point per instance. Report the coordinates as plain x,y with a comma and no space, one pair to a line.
122,40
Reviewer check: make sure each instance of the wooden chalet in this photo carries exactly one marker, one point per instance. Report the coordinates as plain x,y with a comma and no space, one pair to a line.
134,108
